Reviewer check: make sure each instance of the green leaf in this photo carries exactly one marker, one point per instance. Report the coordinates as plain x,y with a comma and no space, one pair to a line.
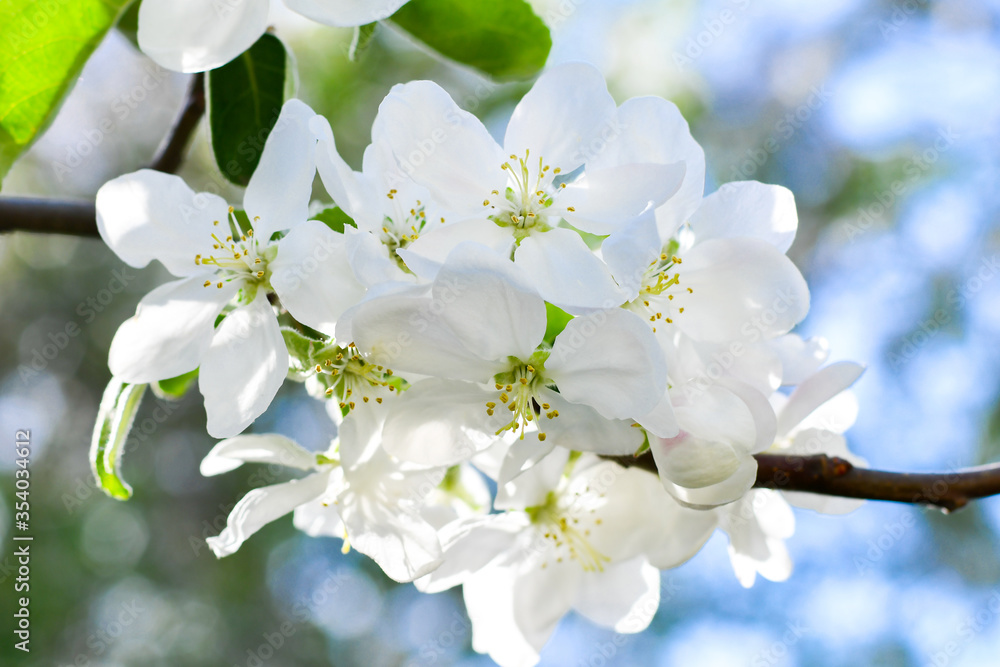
244,100
119,406
174,388
556,320
335,219
43,48
502,38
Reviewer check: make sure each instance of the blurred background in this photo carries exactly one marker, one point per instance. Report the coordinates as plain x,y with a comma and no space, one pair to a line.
882,117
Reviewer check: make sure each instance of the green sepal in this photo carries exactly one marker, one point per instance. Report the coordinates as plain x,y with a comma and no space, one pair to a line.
363,36
119,406
174,388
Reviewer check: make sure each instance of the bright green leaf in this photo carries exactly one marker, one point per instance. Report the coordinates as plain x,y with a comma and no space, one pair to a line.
556,321
174,388
43,48
119,406
335,219
244,100
502,38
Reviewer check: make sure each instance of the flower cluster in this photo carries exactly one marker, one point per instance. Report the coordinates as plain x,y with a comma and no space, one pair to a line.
499,317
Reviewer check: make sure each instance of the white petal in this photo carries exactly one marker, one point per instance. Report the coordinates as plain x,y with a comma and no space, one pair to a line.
531,487
764,420
440,422
470,545
703,473
522,455
542,597
348,190
565,272
837,415
404,546
369,260
757,527
740,285
489,601
261,506
815,391
149,215
629,252
436,244
698,408
581,428
561,119
195,35
243,369
345,13
604,200
259,448
312,276
609,360
748,209
652,130
440,146
661,420
359,434
489,304
404,332
681,531
625,596
170,332
318,518
279,191
799,358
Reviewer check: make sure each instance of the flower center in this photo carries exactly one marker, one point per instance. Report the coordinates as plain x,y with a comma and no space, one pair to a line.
529,193
657,299
237,257
568,531
402,228
518,391
350,378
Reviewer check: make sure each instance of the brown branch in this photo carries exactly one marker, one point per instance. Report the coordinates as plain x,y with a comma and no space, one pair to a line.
52,216
168,159
832,476
79,218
